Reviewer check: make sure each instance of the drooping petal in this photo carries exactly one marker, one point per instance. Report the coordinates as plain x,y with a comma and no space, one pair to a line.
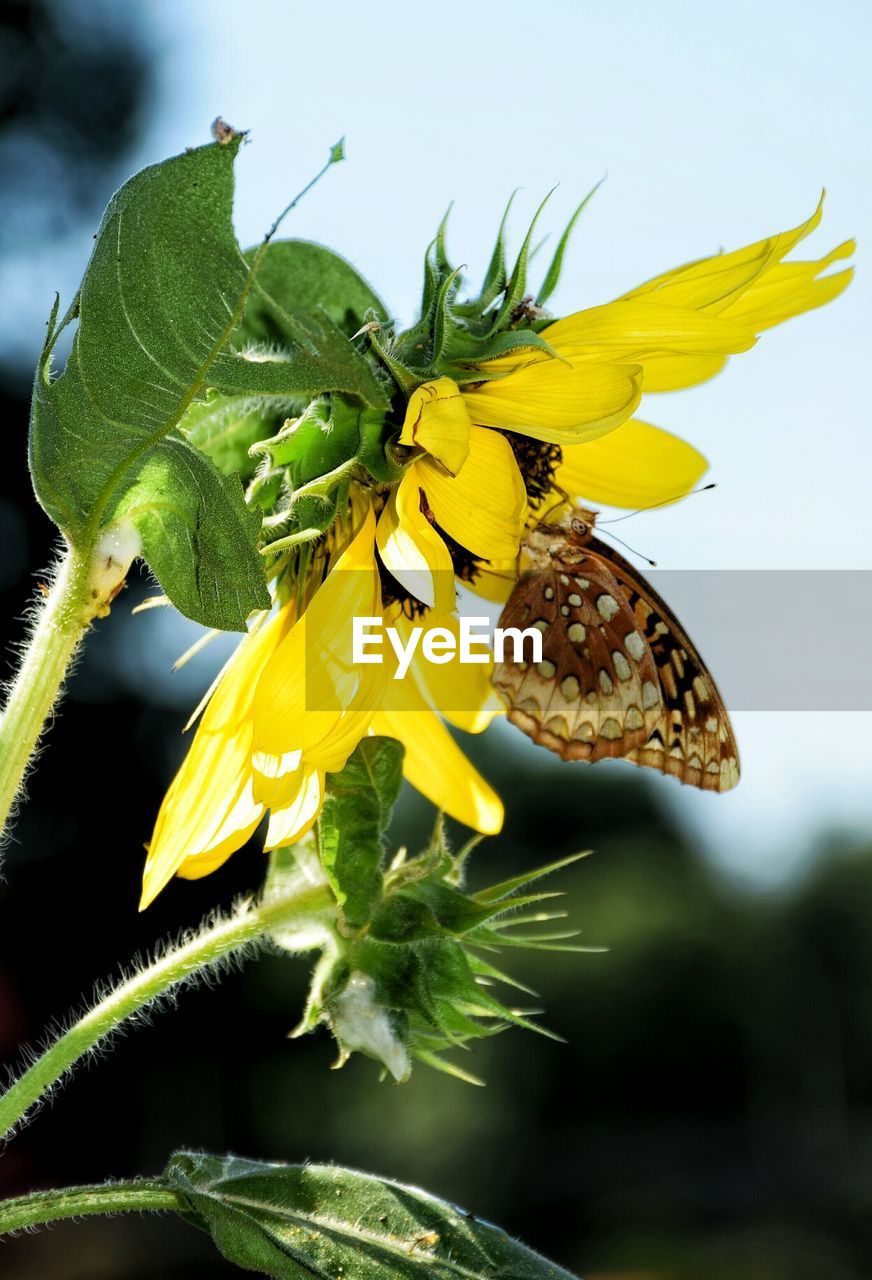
228,817
209,810
438,422
290,824
411,549
275,777
637,465
484,506
435,765
311,685
560,401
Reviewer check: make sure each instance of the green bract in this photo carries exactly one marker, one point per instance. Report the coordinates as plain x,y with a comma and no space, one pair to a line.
456,336
404,971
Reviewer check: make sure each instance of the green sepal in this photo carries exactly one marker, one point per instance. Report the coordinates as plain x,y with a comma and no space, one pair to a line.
496,277
440,252
468,355
552,275
309,299
357,808
432,279
293,1222
324,437
444,324
378,448
517,285
266,488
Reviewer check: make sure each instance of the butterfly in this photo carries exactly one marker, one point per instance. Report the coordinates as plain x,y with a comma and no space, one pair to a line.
619,678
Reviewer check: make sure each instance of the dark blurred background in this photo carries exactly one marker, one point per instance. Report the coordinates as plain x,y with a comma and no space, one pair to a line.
711,1113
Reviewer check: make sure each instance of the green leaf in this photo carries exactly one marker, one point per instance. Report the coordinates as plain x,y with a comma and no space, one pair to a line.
296,1222
302,278
153,312
197,535
163,295
357,809
322,359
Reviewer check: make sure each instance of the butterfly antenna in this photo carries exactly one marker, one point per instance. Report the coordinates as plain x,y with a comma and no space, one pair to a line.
654,505
632,550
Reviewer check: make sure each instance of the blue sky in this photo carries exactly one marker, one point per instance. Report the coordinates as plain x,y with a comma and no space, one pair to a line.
716,125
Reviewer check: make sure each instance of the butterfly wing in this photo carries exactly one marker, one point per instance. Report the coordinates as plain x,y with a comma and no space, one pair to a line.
595,694
693,739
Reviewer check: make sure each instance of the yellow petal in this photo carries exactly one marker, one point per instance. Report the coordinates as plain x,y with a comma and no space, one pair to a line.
275,777
674,373
633,330
209,810
435,766
311,683
637,465
564,402
234,819
290,824
411,549
437,421
790,288
716,281
459,691
484,506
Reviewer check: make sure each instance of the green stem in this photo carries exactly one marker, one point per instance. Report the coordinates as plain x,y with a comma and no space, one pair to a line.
61,623
40,1207
249,925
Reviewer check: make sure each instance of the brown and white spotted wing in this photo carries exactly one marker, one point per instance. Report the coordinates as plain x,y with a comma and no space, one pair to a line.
693,740
619,676
595,694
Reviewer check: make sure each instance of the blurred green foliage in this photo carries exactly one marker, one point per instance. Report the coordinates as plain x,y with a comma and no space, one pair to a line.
710,1115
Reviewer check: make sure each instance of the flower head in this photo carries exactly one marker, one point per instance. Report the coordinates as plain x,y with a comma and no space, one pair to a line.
497,410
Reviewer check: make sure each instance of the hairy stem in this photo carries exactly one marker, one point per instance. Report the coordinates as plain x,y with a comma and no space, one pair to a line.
60,624
38,1208
83,586
182,963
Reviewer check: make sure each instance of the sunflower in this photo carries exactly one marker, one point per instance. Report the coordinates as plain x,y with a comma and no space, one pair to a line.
291,706
497,411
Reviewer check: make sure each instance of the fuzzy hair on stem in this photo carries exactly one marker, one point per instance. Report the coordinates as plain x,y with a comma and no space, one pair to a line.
199,956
